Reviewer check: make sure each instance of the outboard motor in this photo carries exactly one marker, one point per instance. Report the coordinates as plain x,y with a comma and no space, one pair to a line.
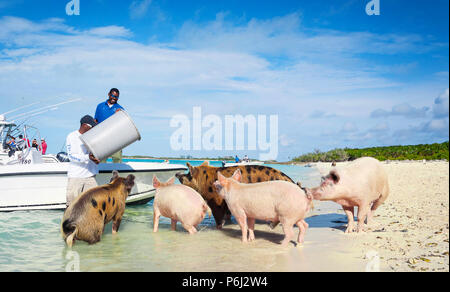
62,157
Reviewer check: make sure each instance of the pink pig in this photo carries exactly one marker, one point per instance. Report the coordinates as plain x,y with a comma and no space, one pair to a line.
362,183
179,203
276,201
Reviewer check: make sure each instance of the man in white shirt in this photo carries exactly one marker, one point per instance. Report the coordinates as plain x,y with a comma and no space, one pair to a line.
83,165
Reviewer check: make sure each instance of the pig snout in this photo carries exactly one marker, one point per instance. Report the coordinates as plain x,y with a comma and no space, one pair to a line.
218,187
316,193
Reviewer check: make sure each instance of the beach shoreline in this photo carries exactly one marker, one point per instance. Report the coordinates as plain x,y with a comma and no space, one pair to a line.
411,232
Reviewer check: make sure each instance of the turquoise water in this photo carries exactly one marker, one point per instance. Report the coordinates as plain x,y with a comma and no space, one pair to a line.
31,241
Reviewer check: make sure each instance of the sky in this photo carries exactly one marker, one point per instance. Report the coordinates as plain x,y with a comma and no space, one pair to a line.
334,76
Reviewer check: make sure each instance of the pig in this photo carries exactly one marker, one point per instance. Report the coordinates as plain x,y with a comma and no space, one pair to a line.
86,217
179,203
363,183
201,179
276,201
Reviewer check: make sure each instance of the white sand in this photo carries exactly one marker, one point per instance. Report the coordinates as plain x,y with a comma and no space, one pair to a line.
412,227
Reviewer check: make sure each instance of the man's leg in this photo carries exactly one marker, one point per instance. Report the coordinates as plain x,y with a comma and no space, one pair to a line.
74,187
89,183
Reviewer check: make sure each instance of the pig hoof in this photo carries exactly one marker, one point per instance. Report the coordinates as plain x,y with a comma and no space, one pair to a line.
349,230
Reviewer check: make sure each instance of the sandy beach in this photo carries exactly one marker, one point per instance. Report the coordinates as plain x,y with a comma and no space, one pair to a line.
411,231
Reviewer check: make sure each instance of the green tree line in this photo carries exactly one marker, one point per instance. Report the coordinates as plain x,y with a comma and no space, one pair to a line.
436,151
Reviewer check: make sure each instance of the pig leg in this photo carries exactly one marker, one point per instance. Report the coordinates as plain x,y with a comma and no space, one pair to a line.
173,225
189,228
375,206
156,215
117,219
288,229
242,221
302,225
350,218
251,228
116,225
362,214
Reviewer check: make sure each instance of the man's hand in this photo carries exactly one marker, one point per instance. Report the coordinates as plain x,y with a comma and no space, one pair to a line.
92,157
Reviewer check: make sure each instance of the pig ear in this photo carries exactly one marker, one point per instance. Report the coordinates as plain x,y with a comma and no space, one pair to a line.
156,182
205,163
191,168
171,181
129,181
220,178
334,176
115,175
237,175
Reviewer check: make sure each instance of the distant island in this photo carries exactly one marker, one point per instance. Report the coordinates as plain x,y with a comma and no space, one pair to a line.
436,151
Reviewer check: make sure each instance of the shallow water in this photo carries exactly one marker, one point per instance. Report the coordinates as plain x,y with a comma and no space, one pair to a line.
31,241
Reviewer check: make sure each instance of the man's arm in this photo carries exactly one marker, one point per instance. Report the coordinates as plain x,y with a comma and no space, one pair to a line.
97,110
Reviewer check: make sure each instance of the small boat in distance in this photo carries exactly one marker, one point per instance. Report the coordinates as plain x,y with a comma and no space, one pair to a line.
243,163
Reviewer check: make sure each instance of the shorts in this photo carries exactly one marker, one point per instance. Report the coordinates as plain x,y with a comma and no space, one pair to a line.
76,186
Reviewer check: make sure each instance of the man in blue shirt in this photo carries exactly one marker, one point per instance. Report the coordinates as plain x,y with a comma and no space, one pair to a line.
105,110
108,108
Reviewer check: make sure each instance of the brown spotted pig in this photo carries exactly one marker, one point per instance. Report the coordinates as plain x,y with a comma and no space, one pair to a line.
86,217
202,178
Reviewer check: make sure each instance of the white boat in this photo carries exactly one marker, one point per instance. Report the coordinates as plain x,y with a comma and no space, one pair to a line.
243,163
31,181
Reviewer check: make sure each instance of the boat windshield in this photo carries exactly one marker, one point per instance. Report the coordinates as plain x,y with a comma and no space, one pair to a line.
5,132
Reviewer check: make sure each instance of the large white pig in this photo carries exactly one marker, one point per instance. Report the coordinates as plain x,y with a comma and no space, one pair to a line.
362,183
276,201
179,203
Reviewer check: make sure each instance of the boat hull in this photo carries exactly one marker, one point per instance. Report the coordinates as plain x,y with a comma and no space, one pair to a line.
43,186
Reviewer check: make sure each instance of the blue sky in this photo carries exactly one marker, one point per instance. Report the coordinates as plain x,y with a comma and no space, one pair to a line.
335,76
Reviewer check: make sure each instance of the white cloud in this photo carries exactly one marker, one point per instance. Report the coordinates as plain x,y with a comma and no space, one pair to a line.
440,106
403,109
285,140
349,127
139,8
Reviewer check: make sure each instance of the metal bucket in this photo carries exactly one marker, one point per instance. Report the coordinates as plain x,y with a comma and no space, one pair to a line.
111,135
